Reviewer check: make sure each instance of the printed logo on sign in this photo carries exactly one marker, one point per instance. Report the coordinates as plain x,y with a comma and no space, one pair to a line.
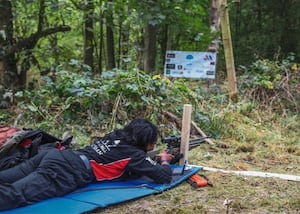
177,72
208,57
171,66
170,55
210,72
189,57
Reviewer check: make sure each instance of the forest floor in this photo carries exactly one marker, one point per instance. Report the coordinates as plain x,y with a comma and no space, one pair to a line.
270,147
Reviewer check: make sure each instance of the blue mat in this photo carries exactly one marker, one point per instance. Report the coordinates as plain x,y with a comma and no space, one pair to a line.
100,195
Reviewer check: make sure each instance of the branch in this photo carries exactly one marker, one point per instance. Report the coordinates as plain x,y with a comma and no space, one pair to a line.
30,42
194,125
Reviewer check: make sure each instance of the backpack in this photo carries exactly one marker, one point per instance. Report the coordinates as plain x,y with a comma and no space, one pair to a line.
17,145
5,133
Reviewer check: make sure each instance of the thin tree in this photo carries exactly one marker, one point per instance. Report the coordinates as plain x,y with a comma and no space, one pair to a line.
8,68
150,40
149,47
110,44
89,33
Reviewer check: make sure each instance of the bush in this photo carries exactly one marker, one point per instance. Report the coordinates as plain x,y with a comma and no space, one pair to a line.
87,99
272,83
76,96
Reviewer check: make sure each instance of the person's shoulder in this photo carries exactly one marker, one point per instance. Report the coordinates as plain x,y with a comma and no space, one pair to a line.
133,151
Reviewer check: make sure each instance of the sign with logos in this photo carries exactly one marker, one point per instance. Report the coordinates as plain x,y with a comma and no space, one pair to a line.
188,64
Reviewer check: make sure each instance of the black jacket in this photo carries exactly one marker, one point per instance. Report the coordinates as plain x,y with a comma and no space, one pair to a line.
111,160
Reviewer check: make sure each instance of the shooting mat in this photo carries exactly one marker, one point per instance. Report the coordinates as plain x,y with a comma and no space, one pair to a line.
102,194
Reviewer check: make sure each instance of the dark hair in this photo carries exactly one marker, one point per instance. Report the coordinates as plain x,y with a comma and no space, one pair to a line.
139,132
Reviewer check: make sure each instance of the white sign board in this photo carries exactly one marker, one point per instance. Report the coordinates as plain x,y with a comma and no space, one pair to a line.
190,64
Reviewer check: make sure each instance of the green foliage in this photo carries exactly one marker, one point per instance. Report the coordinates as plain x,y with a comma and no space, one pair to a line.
79,96
64,98
263,73
274,83
4,117
264,30
75,96
188,21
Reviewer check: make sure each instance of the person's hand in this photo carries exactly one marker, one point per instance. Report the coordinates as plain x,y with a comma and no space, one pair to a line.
165,158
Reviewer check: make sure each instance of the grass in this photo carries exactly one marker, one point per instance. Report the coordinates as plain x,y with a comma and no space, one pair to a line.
251,140
230,193
256,144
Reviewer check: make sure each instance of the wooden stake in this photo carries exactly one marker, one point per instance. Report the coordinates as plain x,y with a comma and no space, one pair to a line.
185,133
228,51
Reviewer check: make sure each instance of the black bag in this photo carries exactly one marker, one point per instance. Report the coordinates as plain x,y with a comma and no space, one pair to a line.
26,143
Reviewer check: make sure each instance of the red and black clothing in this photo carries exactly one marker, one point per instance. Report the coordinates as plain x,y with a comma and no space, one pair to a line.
117,160
56,172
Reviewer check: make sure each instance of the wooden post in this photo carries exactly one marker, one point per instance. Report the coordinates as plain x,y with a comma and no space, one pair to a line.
185,133
226,35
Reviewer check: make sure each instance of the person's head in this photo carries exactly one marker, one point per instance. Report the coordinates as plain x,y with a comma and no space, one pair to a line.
140,133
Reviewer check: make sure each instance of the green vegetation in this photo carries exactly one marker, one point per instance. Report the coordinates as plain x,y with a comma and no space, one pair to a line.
259,132
87,67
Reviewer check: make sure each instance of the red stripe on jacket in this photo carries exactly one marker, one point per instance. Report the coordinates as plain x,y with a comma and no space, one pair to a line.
109,171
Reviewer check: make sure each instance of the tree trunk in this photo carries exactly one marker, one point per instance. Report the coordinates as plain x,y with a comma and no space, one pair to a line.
111,64
124,32
124,48
119,44
101,42
8,68
214,22
164,42
149,48
140,50
287,37
89,34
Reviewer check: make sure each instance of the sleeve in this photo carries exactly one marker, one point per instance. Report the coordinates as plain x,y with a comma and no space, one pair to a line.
143,165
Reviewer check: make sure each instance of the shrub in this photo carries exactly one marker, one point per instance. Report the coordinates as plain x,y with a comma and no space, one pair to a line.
272,83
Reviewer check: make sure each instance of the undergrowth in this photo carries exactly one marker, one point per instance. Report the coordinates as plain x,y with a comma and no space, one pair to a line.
74,97
259,132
